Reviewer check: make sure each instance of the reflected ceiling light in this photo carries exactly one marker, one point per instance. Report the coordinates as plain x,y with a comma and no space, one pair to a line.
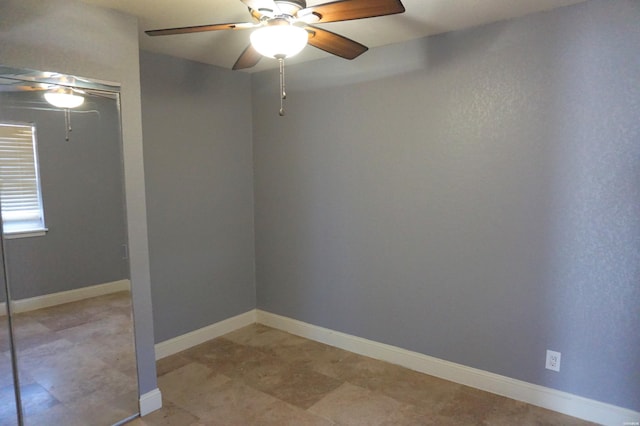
279,39
64,97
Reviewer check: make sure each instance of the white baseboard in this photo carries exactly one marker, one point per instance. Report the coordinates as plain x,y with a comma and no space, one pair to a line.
541,396
54,299
193,338
150,402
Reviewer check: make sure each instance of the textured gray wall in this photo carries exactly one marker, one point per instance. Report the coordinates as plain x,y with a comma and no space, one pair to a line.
473,196
83,197
197,151
75,38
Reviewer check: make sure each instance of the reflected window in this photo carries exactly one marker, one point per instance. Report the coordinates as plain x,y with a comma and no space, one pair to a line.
20,193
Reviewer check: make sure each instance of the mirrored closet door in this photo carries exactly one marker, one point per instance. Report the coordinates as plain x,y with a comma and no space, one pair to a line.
8,409
65,254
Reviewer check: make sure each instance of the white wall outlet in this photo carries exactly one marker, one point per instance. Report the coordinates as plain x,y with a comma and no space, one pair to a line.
553,360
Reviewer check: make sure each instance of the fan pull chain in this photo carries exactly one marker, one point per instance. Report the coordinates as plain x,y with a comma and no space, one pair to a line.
283,93
67,123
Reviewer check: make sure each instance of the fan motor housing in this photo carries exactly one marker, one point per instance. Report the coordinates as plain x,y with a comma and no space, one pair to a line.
291,7
299,3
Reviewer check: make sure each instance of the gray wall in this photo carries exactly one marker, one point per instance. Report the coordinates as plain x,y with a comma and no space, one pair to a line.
83,198
72,37
473,196
197,151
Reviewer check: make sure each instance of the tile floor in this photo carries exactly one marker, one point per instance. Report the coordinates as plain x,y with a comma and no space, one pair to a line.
262,376
77,364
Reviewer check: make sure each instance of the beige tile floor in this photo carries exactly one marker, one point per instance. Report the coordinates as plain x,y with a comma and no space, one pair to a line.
77,364
262,376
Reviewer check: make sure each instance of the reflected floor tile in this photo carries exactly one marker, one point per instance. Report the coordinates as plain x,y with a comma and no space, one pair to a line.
37,355
120,299
78,360
61,415
9,420
73,314
72,372
6,370
118,353
93,388
28,333
8,413
36,399
104,410
106,328
60,317
4,333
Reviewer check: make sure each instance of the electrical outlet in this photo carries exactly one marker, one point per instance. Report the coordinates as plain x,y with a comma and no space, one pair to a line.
553,360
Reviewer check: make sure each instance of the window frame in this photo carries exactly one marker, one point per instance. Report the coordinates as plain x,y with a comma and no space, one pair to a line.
39,227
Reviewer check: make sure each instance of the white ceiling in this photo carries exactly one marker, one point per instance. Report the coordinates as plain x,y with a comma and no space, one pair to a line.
222,48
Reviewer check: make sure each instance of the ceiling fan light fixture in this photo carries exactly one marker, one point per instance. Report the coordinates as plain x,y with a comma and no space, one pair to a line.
64,98
276,41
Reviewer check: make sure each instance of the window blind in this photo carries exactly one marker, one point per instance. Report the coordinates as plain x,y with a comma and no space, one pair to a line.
20,195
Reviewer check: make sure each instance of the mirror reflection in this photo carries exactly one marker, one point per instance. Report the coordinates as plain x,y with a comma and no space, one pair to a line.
8,410
66,259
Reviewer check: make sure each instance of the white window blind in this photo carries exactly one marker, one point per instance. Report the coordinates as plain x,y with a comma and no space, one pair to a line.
20,194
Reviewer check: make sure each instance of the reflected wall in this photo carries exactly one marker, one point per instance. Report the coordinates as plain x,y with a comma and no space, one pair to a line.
83,197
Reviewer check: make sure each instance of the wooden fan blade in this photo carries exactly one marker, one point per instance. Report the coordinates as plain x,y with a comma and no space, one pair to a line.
345,10
334,43
201,28
249,58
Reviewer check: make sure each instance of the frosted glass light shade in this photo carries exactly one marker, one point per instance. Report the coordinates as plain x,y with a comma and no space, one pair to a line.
279,40
64,98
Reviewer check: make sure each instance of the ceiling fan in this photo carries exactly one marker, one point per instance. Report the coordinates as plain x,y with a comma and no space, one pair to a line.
296,14
282,28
